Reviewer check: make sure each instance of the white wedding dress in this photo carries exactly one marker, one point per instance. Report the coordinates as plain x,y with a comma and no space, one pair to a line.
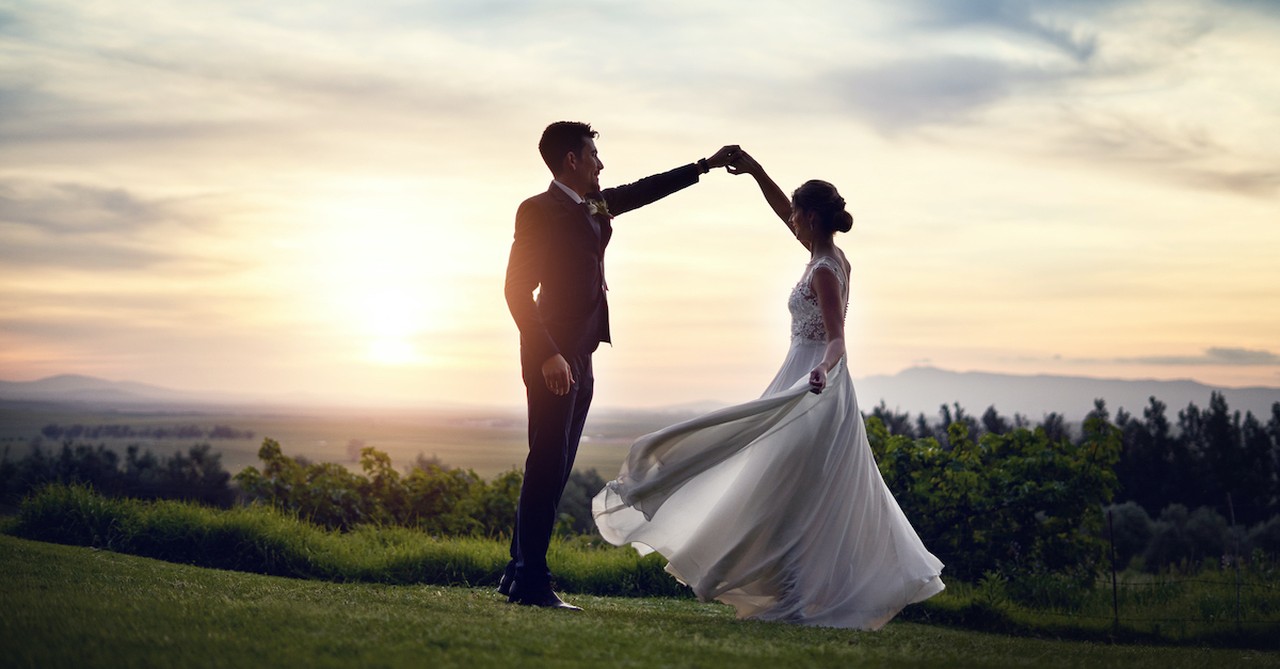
776,506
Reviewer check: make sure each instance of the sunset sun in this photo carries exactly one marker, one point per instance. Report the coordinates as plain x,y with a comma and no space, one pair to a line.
393,317
378,264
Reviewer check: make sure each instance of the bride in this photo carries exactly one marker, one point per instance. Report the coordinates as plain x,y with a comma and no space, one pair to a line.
776,506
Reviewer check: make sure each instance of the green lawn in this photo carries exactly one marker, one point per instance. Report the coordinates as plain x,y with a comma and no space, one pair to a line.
79,607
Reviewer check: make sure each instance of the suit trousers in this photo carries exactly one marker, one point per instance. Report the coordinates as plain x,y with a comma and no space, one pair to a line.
555,428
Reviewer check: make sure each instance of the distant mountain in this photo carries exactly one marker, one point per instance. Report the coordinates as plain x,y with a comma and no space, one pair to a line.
77,389
915,390
925,389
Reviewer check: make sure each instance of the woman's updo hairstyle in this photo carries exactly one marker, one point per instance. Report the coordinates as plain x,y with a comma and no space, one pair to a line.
822,200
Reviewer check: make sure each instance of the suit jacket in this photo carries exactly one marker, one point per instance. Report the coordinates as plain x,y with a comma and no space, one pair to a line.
558,250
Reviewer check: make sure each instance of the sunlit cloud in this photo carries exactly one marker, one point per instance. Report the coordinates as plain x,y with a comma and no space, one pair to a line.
292,196
1211,356
1036,21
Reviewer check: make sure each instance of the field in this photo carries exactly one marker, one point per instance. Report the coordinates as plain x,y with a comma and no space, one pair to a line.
79,607
488,442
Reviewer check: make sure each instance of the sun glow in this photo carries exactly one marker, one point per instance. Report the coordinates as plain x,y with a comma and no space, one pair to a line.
382,266
393,317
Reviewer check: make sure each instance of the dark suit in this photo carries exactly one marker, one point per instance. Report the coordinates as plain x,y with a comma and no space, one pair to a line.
559,250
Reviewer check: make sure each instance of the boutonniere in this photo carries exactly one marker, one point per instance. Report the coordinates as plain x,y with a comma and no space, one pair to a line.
598,208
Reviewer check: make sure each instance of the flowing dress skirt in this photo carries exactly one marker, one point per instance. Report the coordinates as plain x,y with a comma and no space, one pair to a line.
775,507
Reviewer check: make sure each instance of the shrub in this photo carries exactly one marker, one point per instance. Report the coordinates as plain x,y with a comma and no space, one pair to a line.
1131,530
1023,502
196,475
1169,544
433,498
1265,537
1207,534
575,503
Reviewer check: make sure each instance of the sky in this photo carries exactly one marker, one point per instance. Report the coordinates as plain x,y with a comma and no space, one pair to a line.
316,200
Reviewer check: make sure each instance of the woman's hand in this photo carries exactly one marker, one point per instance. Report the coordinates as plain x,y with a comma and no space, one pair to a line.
743,163
818,379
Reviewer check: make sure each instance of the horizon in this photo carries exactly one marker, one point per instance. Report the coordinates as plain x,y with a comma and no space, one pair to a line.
300,199
906,400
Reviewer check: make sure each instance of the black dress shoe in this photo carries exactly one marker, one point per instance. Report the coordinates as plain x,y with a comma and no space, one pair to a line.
504,585
545,599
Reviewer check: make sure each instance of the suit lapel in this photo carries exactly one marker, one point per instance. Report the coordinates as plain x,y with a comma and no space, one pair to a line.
578,212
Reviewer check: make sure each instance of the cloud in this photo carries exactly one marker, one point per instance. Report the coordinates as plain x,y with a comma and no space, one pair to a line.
88,228
256,83
80,255
1261,6
1012,16
942,90
1187,153
1211,356
960,68
64,208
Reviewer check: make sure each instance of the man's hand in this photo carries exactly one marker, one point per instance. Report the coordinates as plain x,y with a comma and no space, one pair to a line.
723,156
557,374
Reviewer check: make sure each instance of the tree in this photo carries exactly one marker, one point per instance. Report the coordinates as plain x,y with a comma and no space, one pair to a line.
1253,500
896,423
1220,450
1055,427
1144,466
993,423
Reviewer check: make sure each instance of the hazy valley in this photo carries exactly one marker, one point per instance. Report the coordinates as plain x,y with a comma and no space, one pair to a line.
491,440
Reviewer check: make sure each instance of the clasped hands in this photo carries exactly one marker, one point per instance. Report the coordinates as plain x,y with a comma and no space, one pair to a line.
724,156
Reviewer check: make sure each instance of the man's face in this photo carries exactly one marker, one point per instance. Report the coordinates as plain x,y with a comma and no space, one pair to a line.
588,166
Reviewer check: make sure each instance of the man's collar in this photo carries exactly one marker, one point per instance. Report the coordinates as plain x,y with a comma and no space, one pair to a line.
569,191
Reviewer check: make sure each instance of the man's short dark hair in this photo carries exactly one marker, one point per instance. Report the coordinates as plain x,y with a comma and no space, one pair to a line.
563,137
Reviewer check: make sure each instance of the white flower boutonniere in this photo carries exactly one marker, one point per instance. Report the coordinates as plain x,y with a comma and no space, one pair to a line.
598,208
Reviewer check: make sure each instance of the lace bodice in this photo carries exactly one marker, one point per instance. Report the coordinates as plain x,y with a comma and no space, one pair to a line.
806,315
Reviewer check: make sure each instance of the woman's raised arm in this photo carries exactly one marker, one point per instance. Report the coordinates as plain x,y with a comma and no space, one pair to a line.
743,163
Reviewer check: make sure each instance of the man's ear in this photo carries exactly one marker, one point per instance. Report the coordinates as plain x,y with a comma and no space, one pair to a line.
570,162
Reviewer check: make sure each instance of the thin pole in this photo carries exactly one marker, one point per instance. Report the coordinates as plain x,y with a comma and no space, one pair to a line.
1235,557
1115,597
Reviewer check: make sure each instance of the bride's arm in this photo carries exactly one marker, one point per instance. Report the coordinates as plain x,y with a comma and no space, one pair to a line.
743,163
827,287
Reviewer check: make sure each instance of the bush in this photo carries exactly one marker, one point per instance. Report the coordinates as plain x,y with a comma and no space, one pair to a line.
575,503
1131,530
196,476
1022,503
1265,537
1169,543
432,498
1207,534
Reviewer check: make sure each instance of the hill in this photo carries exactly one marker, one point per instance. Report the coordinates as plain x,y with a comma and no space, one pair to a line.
925,389
914,390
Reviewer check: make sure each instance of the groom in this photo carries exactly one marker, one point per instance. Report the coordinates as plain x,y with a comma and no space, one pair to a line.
559,250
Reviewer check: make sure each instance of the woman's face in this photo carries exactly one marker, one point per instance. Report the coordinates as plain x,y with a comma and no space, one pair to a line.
801,224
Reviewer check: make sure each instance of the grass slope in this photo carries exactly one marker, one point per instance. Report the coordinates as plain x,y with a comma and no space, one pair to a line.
79,607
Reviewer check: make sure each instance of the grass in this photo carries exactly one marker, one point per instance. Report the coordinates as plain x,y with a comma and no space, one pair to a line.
1197,610
263,541
79,607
